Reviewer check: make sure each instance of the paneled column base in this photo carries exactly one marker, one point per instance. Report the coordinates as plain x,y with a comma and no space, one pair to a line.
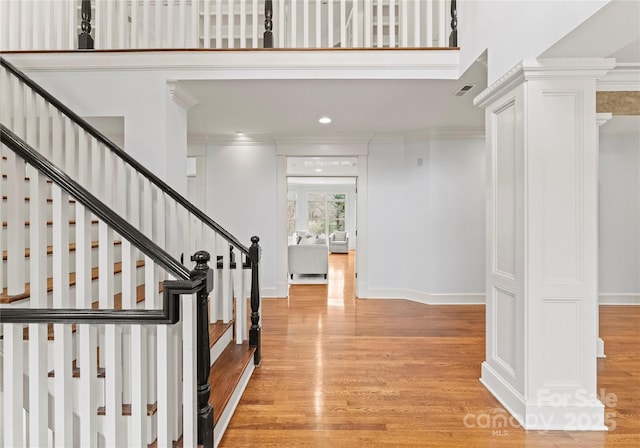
550,411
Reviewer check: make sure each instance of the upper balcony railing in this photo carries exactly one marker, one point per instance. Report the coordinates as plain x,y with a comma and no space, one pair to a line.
33,25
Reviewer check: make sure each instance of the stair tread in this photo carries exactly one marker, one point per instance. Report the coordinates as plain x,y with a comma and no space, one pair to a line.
6,299
72,248
72,222
76,371
216,330
49,200
126,409
175,444
225,375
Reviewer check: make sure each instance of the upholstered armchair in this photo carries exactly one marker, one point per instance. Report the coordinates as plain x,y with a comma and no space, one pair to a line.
339,242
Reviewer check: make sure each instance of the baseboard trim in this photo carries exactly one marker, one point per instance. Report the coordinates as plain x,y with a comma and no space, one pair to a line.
620,299
427,298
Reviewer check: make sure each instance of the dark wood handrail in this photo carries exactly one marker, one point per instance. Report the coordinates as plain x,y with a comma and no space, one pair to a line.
124,156
97,207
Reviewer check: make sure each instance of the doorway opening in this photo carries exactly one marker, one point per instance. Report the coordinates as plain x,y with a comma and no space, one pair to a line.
321,215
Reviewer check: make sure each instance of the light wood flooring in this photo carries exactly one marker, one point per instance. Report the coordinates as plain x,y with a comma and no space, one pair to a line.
344,372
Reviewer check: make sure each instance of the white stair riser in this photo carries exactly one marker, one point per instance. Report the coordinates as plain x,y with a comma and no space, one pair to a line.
72,261
49,236
117,288
49,209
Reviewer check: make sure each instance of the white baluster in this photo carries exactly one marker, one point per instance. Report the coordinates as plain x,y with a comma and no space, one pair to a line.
243,24
87,334
109,25
159,9
230,24
38,369
194,35
13,385
254,24
99,27
330,24
294,21
25,25
215,294
280,29
404,24
72,25
442,24
14,17
15,200
206,24
5,35
169,31
241,301
343,24
218,23
318,23
305,24
392,23
189,366
227,289
380,22
416,23
368,23
133,41
355,22
146,30
61,299
181,42
70,148
164,413
429,22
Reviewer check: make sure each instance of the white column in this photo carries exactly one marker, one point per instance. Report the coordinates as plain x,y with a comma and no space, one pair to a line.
600,120
542,298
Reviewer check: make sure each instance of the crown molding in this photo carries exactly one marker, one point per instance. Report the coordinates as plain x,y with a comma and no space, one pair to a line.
457,133
603,117
180,96
545,68
623,78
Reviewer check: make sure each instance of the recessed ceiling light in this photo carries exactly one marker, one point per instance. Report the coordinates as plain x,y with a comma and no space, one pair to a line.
325,120
318,170
239,133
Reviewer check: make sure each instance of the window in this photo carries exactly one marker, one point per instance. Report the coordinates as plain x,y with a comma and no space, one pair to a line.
292,203
326,212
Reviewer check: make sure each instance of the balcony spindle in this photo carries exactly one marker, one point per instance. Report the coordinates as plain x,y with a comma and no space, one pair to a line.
453,37
85,41
254,331
268,24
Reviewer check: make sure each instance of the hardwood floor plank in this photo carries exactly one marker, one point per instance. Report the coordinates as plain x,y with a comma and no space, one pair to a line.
344,372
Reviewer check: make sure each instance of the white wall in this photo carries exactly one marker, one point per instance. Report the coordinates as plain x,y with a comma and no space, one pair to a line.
242,197
426,219
619,221
516,29
457,216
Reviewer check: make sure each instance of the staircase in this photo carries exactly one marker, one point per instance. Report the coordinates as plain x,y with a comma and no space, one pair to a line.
97,312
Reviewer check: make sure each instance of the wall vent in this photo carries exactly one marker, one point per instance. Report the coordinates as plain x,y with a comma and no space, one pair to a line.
464,89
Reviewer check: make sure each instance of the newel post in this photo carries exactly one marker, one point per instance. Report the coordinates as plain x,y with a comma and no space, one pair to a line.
268,24
85,41
254,331
453,37
205,411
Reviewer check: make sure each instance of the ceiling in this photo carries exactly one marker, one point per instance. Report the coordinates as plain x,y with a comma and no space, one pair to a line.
293,107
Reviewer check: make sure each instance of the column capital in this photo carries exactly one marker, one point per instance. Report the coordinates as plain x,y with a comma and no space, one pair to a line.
545,68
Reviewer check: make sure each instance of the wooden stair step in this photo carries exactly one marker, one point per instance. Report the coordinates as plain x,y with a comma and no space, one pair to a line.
126,409
6,299
72,248
175,444
216,330
49,200
225,375
72,222
76,371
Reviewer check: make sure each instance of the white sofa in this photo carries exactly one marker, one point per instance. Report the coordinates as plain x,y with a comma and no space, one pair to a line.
308,259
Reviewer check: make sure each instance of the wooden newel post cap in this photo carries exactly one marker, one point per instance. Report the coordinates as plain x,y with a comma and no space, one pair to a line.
255,239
